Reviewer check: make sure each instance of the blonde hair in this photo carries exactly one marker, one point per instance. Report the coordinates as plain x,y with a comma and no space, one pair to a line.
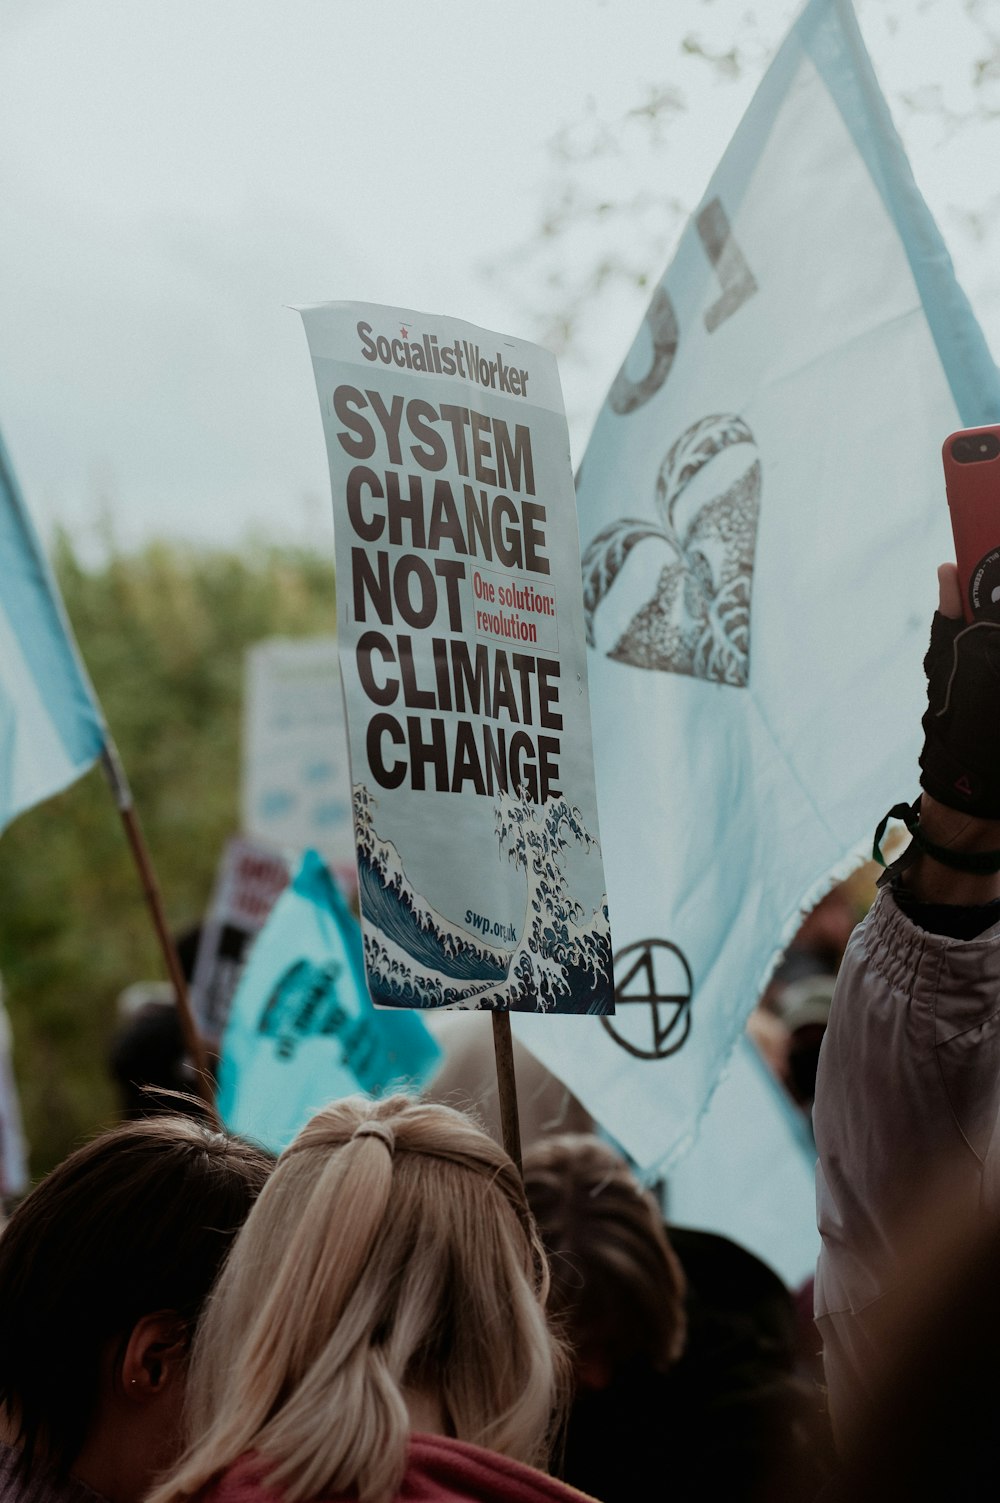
392,1253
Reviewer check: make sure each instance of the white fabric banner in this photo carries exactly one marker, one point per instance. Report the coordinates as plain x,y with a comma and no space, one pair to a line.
14,1176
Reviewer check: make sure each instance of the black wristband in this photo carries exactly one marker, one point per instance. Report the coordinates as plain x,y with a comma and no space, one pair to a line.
981,863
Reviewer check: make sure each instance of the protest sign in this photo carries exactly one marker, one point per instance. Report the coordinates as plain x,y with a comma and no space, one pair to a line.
296,777
463,661
762,510
51,729
250,879
302,1030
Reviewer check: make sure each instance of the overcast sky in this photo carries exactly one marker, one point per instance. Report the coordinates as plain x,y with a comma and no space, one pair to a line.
175,173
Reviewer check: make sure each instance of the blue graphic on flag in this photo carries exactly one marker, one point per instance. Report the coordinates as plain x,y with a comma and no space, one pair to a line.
51,729
302,1030
761,510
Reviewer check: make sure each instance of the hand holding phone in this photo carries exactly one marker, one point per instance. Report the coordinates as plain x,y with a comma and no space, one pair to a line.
972,482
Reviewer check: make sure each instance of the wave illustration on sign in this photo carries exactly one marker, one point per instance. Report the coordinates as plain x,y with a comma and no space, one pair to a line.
414,957
698,621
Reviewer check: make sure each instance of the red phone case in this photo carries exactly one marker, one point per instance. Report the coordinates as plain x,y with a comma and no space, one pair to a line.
973,488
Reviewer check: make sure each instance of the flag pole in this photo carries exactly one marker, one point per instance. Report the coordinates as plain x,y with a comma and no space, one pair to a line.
503,1047
193,1043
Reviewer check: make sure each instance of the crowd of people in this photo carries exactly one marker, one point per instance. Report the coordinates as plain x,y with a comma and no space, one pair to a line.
391,1311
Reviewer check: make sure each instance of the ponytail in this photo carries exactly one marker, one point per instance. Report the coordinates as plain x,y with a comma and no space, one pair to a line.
392,1254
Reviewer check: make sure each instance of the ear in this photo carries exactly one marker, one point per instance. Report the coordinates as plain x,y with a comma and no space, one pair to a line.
155,1356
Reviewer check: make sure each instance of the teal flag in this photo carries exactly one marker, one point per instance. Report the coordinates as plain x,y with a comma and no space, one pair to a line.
302,1030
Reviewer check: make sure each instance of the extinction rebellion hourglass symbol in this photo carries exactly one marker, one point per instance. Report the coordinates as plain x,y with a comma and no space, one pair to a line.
653,987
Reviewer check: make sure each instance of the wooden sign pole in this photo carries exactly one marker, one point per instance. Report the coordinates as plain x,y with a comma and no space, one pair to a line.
503,1046
193,1042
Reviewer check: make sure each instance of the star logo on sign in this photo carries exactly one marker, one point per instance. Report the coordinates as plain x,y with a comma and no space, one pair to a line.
653,990
404,331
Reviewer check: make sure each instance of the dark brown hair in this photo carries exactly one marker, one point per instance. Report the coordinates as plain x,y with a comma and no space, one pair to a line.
136,1221
617,1285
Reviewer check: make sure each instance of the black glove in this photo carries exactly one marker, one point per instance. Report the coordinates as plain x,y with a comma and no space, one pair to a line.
960,762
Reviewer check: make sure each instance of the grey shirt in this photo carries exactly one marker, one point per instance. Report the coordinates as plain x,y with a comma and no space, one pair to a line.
908,1084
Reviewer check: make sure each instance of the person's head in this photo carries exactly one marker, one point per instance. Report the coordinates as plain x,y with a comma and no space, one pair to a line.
104,1269
147,1060
617,1285
389,1278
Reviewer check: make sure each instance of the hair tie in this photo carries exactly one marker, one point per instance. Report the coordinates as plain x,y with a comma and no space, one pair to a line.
372,1128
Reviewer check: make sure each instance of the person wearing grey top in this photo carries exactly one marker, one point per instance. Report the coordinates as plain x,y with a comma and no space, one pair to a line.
908,1088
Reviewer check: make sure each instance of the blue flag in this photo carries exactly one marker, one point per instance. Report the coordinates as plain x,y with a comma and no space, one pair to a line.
302,1030
761,511
51,729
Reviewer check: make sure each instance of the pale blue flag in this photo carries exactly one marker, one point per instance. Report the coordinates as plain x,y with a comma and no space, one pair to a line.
51,729
751,1176
302,1030
761,512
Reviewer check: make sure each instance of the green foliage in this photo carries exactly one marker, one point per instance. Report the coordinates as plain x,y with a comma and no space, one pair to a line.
163,633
